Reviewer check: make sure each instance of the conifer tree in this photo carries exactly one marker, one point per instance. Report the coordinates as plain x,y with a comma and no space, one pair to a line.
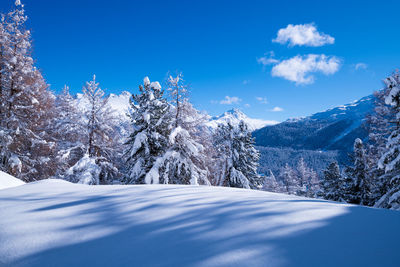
270,184
290,181
98,164
358,182
151,120
239,157
27,106
185,160
390,160
332,185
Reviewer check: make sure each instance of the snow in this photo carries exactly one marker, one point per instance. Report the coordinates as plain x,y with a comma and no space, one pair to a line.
7,181
56,223
146,81
234,116
155,85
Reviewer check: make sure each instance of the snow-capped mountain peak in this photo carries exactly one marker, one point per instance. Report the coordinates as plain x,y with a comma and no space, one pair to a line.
234,116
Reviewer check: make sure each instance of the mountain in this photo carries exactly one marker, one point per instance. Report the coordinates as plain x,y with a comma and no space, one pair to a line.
118,103
333,129
234,116
56,223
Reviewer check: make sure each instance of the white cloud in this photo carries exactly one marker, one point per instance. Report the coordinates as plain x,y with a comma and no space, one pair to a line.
361,66
303,34
267,59
245,82
228,100
276,109
297,69
247,105
262,100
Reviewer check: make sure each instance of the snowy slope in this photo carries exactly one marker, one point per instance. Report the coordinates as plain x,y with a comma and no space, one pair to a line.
55,223
7,181
234,116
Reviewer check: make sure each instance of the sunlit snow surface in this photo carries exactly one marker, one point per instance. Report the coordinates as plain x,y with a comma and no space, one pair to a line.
56,223
7,181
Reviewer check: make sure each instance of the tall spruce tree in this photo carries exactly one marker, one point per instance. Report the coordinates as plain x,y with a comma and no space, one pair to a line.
358,183
185,160
390,160
149,141
239,158
333,183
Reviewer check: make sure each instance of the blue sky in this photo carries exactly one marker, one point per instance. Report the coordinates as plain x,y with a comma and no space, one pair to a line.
220,46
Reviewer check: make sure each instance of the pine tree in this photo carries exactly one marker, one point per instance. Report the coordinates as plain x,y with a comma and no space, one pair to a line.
148,142
332,185
390,160
304,176
68,129
270,184
27,105
239,157
358,182
290,181
98,140
185,161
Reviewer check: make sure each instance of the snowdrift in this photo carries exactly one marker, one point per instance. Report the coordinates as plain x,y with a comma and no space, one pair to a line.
7,181
56,223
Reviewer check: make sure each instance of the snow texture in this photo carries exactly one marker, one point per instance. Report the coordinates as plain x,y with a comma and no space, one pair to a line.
56,223
7,181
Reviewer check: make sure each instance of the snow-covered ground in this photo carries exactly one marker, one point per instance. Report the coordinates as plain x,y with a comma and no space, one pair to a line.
56,223
7,181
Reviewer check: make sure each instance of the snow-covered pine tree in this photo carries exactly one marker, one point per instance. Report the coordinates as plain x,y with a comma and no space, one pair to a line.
97,166
185,161
290,180
68,129
238,155
332,185
379,124
390,160
151,120
270,184
304,176
308,181
358,183
27,105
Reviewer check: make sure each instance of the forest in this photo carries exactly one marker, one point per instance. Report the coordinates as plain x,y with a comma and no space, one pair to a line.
47,135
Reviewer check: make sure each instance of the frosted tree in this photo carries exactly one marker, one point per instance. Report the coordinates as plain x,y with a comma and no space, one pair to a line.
390,160
270,184
332,185
380,124
304,176
185,160
98,138
239,158
308,181
290,180
26,104
68,128
358,181
149,141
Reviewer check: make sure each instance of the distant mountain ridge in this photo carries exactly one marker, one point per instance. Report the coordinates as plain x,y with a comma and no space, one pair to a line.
333,129
234,116
120,105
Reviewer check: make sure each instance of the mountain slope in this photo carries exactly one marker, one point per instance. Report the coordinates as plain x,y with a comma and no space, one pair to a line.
55,223
234,116
333,129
